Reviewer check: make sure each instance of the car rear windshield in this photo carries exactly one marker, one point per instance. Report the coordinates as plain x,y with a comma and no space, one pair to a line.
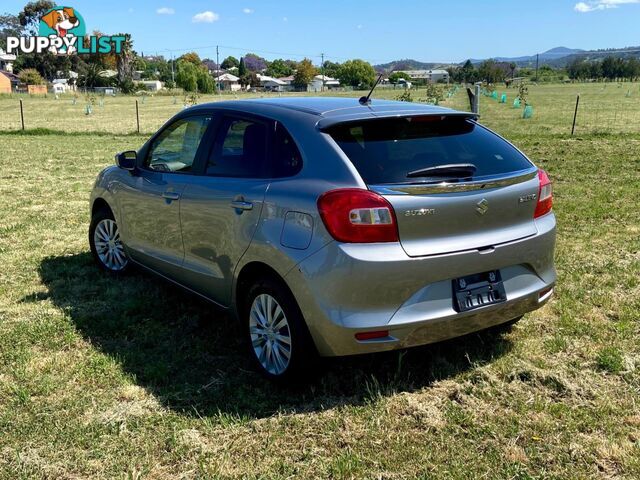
386,150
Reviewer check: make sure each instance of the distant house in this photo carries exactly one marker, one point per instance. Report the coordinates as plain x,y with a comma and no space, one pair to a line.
430,76
62,85
152,85
105,90
226,81
8,82
271,84
320,81
6,61
288,83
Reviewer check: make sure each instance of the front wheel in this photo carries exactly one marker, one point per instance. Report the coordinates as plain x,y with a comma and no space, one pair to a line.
106,244
279,342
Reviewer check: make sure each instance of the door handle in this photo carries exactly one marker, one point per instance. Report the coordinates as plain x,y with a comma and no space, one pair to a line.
241,205
171,195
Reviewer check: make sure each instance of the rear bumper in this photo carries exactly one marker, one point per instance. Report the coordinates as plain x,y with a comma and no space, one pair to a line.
344,289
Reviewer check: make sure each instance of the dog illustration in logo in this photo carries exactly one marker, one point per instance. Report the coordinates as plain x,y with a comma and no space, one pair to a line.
62,20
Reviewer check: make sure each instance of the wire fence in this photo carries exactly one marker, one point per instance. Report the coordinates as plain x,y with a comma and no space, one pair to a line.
602,109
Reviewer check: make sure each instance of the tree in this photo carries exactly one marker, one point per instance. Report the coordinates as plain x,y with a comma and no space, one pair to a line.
279,68
331,68
242,69
357,73
304,74
9,27
124,64
191,57
30,76
91,75
491,72
30,15
193,78
205,81
186,75
254,63
249,79
396,76
29,19
229,62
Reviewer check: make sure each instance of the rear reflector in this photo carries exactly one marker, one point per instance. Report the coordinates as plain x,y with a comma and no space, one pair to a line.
372,335
545,195
544,294
355,215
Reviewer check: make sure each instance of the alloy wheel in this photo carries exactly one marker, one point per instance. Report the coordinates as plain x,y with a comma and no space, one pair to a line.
109,248
270,334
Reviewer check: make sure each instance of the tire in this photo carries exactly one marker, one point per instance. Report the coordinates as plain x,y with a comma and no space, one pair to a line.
278,340
107,248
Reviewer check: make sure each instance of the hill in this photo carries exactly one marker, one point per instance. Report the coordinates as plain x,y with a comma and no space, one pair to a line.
556,57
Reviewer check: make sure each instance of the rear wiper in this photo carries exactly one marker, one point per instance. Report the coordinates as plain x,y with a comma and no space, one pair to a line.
459,170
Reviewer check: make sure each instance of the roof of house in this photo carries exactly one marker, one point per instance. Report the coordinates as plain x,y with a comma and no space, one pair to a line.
7,57
11,76
265,78
227,77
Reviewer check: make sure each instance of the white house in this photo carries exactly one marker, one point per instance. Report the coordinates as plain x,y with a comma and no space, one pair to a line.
62,85
431,76
6,61
319,81
271,84
152,85
226,81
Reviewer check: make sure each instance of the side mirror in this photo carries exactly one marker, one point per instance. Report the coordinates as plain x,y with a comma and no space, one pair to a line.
127,160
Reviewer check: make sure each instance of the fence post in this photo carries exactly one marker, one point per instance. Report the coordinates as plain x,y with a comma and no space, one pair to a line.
575,114
21,114
137,117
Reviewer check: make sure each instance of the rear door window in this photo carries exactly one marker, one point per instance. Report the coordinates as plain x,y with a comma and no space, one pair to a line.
240,149
385,151
287,160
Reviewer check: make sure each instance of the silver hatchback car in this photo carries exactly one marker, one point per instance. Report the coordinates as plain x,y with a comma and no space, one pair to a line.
328,227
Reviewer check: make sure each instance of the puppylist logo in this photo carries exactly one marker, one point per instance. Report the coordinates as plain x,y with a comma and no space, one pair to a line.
62,31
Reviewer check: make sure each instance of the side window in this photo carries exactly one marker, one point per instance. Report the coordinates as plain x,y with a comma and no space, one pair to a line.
287,160
240,149
175,148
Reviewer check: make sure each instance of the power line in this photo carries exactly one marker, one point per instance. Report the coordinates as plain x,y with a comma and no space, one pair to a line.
320,56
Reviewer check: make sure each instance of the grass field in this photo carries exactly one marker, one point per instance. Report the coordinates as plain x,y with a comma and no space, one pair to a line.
131,378
604,108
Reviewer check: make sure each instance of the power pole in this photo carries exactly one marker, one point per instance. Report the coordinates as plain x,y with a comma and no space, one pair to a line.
217,69
537,58
173,76
322,71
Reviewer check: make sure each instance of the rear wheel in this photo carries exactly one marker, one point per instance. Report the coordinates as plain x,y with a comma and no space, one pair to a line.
279,343
106,245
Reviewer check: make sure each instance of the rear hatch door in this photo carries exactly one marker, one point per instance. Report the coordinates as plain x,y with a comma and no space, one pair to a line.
444,210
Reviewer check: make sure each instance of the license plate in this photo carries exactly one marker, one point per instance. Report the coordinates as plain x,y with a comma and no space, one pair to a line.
478,290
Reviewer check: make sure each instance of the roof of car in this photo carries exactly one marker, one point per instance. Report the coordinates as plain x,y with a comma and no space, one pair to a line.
327,111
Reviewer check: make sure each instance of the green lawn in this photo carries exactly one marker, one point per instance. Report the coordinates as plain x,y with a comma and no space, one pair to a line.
604,107
132,378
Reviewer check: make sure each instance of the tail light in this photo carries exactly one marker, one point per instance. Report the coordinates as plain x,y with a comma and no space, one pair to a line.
545,195
355,215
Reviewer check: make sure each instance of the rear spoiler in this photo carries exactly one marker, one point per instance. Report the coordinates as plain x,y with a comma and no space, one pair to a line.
327,122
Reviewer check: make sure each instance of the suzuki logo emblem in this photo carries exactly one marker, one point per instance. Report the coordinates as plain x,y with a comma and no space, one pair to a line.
482,206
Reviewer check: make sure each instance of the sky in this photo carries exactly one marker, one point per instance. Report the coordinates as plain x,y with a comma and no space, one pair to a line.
376,31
